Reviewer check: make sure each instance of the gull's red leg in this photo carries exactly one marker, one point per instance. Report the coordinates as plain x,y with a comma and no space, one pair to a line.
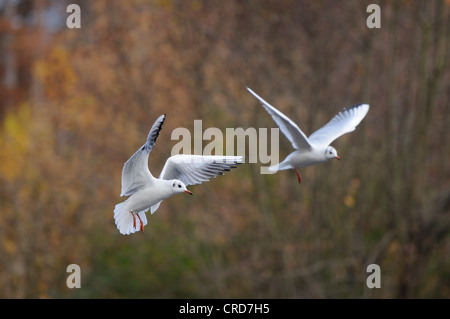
141,228
299,177
134,219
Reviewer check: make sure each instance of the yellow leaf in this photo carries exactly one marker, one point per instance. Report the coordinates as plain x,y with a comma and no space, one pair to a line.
14,143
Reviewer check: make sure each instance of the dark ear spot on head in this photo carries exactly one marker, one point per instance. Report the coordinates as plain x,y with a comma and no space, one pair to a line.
173,185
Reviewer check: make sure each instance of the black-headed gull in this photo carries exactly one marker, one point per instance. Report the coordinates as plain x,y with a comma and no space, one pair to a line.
316,148
147,192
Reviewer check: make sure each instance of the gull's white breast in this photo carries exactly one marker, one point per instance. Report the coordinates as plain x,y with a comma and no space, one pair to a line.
147,197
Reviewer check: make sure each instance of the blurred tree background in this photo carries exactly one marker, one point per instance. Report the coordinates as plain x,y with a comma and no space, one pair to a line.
76,104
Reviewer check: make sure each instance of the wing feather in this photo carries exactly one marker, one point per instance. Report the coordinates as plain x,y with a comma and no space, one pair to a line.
342,123
196,169
292,132
135,172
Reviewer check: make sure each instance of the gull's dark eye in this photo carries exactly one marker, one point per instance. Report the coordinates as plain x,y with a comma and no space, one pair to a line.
179,186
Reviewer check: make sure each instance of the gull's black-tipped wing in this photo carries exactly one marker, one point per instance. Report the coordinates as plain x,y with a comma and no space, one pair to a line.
196,169
135,172
344,122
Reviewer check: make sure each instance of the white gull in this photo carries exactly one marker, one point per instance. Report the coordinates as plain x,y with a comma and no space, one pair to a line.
147,192
316,148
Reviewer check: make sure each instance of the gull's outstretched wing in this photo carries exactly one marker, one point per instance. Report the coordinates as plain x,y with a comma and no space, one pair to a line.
196,169
344,122
135,172
293,133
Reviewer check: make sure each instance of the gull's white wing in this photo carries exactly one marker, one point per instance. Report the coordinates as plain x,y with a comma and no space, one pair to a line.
135,172
344,122
196,169
293,133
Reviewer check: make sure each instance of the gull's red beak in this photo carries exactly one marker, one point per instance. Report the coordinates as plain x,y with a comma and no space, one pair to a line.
189,192
337,157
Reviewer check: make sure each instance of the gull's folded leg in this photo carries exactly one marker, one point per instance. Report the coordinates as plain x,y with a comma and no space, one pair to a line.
298,175
134,219
141,228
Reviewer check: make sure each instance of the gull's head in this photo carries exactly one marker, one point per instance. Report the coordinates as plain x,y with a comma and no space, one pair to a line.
331,152
179,187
